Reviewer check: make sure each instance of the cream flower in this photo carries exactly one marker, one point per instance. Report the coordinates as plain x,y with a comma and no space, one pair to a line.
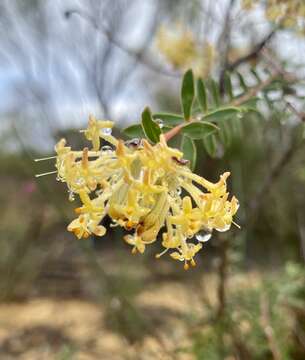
146,189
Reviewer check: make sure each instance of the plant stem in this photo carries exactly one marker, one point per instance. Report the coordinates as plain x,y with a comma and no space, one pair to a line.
223,276
175,131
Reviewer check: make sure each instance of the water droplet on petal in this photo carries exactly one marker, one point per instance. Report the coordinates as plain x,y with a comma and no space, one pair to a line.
160,123
80,181
107,149
223,229
71,195
106,131
203,236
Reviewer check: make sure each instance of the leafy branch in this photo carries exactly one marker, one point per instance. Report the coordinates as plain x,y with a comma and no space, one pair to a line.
206,114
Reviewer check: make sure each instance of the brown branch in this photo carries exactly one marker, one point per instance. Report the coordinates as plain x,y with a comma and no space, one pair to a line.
252,55
276,66
275,173
254,90
174,131
223,270
137,55
267,328
257,202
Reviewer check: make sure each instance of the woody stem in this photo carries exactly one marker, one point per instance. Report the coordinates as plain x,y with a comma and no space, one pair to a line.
174,131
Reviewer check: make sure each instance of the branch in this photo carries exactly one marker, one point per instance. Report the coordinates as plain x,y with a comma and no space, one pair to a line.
253,54
275,173
267,328
137,55
237,102
287,156
223,271
254,90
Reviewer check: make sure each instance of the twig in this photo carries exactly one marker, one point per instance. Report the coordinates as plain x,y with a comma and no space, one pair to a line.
225,36
137,55
299,114
267,328
256,204
254,90
223,276
287,156
253,54
301,229
276,66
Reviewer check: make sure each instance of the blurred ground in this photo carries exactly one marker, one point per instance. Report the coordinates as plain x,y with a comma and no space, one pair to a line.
45,328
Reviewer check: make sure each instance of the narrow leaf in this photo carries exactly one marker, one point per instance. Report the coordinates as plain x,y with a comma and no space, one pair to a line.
222,113
255,74
228,86
199,130
237,127
150,128
242,82
202,95
187,94
134,131
214,88
225,133
189,150
210,145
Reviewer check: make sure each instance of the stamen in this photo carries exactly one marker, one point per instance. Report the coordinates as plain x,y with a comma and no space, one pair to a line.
238,226
46,158
47,173
157,256
193,262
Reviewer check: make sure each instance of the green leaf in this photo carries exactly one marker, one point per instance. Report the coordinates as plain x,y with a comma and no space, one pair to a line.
199,130
242,82
151,129
202,95
255,74
252,102
134,131
210,145
222,113
187,94
169,119
189,150
228,85
237,128
215,92
225,133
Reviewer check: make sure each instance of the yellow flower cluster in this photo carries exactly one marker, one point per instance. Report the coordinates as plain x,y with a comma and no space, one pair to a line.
180,48
143,188
288,13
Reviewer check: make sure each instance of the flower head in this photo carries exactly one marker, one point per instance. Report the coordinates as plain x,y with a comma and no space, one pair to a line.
181,49
146,189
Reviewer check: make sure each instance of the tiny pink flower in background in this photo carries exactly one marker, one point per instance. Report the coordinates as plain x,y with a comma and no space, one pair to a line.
28,187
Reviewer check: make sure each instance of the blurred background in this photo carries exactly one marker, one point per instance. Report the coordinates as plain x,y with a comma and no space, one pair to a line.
91,299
